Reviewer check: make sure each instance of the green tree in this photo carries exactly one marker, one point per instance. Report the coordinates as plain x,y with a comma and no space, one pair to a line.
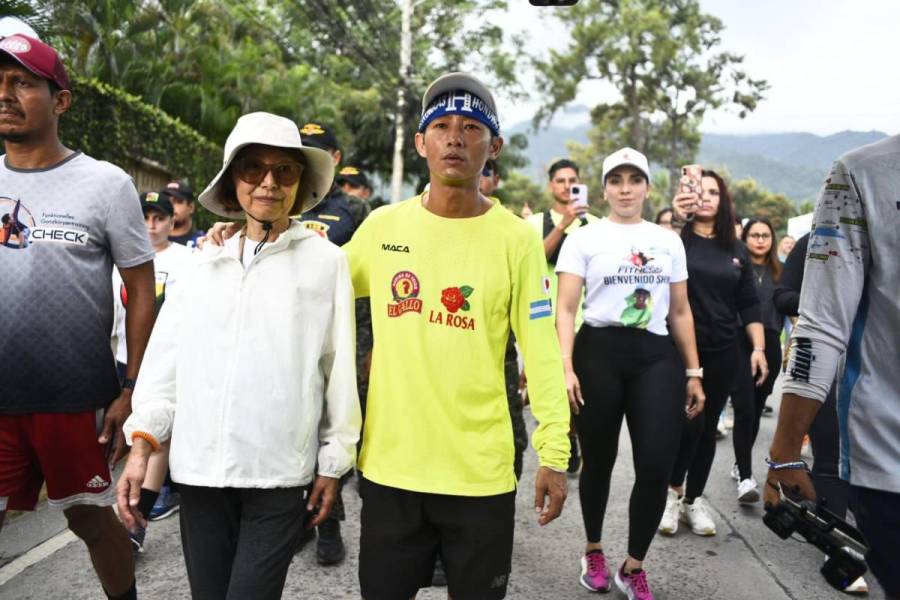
751,200
209,61
517,189
661,56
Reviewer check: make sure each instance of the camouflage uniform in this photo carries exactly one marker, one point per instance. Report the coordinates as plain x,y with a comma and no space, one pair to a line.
520,434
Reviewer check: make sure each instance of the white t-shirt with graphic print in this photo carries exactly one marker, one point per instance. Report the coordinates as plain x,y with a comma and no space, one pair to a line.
627,271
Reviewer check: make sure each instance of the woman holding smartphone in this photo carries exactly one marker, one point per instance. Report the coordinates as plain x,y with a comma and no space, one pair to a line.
622,362
721,291
759,237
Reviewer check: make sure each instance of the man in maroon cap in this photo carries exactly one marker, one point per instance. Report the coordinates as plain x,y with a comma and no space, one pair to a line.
61,405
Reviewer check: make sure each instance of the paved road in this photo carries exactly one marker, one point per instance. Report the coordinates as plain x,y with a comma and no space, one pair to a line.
744,561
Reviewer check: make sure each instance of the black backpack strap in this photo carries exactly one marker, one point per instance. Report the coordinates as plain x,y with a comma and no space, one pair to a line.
548,227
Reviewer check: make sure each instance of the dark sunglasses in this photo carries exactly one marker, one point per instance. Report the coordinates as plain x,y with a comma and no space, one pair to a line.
253,171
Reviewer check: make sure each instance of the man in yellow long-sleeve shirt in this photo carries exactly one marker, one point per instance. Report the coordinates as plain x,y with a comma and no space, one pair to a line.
448,274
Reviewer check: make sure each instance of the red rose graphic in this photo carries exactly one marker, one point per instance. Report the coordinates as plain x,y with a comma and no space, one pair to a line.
452,298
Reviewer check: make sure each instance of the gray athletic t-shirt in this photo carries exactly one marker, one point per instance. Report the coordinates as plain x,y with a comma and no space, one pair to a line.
63,228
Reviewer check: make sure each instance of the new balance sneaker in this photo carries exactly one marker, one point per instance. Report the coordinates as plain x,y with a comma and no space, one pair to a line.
166,504
594,572
330,547
747,491
858,587
668,525
574,459
735,473
634,584
137,539
697,517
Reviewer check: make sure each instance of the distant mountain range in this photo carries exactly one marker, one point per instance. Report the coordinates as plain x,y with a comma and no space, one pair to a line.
793,164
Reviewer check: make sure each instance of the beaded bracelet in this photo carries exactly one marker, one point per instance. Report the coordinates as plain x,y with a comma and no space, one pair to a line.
797,464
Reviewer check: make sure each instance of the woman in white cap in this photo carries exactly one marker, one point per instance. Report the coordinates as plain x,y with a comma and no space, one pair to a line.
622,363
250,370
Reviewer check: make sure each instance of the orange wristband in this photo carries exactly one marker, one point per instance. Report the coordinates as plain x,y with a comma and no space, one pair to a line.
147,438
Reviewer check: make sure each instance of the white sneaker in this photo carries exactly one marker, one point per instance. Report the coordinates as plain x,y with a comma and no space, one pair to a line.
748,491
697,517
735,473
668,525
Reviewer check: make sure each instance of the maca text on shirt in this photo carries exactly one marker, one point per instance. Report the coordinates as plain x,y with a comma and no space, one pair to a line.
450,320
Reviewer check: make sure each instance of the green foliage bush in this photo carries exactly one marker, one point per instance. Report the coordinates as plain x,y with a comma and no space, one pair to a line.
110,124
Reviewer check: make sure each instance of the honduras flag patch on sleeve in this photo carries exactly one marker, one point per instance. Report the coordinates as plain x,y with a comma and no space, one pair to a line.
540,309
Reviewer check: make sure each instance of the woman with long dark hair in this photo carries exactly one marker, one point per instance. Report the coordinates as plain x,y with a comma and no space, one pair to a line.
749,401
721,291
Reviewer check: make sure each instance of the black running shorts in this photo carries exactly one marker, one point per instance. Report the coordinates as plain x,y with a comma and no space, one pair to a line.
403,532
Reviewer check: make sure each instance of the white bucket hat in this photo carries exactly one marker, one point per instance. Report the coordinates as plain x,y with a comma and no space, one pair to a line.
271,130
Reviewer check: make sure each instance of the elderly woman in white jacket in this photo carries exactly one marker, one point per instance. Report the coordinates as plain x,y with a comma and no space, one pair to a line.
250,371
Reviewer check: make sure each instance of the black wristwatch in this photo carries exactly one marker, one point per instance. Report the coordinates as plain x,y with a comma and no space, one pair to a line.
128,384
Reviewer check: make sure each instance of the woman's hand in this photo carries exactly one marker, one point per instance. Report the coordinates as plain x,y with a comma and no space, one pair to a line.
220,232
574,390
128,490
685,204
696,399
759,367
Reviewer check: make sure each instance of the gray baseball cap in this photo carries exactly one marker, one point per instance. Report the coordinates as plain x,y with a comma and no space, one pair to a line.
451,82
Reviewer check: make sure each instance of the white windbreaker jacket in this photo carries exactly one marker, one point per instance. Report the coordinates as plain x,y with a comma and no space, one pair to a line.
251,372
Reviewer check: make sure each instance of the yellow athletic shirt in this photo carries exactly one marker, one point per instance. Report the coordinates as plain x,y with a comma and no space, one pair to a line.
444,294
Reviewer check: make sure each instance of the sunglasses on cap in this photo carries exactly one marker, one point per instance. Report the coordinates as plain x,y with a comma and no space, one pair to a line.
253,171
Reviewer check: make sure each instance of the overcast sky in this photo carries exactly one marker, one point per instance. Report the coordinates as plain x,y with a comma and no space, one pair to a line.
832,64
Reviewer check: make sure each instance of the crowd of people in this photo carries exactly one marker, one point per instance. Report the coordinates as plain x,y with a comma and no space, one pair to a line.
243,369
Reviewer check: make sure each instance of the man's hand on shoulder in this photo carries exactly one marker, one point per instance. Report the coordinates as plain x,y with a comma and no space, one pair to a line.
220,232
551,489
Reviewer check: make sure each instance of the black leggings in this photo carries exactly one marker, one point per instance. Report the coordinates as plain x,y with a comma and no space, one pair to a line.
749,400
698,439
824,435
638,375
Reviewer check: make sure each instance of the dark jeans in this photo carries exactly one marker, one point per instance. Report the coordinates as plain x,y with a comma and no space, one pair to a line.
824,436
749,400
239,542
877,514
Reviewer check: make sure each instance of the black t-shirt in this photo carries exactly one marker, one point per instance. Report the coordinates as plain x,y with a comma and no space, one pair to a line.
787,292
721,290
189,239
332,218
772,319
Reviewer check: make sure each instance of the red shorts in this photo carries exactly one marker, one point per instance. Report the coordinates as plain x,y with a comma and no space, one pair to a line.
60,448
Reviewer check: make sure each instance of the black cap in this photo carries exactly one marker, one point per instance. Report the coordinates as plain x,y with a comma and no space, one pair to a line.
157,201
319,136
179,189
353,176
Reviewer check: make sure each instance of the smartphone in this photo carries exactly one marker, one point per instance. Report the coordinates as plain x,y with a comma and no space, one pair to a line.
578,195
691,176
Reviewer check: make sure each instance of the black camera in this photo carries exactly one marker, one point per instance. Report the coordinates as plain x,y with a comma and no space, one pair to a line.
844,545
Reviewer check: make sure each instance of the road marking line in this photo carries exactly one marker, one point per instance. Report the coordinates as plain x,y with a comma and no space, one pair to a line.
36,555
